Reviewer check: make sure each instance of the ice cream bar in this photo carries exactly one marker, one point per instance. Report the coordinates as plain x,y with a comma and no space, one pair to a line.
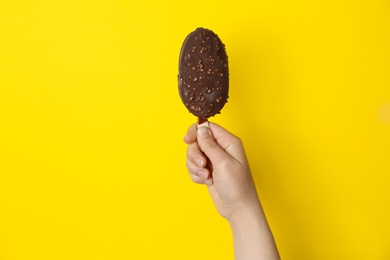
203,74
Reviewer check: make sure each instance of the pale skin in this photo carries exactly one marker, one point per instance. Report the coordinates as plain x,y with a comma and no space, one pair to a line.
216,158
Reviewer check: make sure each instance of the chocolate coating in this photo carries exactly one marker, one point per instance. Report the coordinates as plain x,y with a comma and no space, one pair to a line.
203,73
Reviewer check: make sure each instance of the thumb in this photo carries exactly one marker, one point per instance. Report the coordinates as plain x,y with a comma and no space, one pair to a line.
209,146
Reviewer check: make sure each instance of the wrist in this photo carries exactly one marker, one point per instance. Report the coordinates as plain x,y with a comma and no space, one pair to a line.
252,236
247,215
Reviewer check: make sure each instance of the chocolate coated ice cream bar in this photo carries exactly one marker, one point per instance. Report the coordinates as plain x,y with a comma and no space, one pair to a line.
203,73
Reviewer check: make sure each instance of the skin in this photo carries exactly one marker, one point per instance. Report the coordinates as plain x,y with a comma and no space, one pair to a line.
216,158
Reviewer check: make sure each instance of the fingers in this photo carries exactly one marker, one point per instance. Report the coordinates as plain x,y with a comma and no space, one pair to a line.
197,174
195,155
196,164
209,145
230,143
214,146
191,134
223,137
201,140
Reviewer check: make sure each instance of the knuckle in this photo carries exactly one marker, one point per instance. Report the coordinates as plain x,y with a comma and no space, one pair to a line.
190,136
236,140
190,167
226,165
195,179
191,150
193,153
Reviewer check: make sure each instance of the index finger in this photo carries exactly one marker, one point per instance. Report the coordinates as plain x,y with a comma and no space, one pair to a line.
190,136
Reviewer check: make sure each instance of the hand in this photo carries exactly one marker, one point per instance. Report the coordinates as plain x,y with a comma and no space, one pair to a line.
217,158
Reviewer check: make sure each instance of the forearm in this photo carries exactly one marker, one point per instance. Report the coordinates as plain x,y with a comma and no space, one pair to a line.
252,236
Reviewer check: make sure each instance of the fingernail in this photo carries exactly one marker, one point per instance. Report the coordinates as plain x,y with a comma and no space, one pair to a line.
198,162
208,181
203,132
202,174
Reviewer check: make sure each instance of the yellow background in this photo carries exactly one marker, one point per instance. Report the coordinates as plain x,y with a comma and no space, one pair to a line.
92,162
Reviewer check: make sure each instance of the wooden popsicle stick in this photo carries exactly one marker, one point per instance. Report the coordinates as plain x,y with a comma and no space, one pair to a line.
203,122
